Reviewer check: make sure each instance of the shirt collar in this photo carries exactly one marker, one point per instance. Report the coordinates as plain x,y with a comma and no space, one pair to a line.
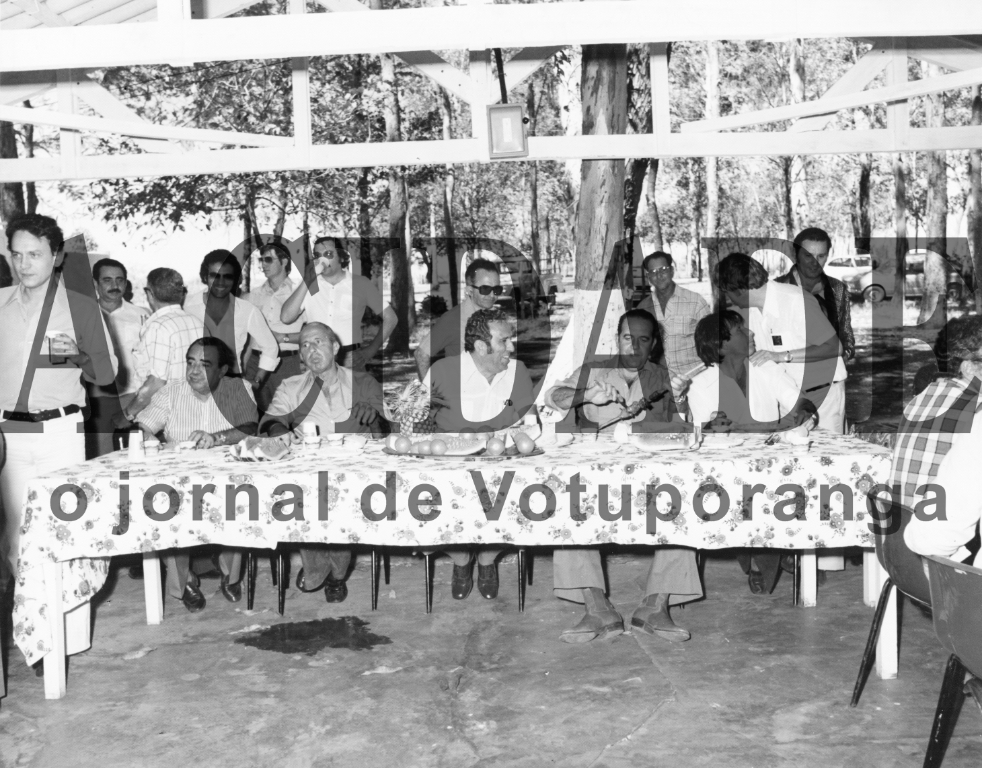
167,310
344,383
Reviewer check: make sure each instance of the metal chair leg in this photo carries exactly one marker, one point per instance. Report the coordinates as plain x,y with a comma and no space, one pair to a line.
385,565
796,580
521,579
949,704
374,579
281,580
528,566
250,579
273,568
428,581
869,655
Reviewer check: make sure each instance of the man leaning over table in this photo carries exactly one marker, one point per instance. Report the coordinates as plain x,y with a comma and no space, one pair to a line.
484,388
607,392
326,395
43,401
208,408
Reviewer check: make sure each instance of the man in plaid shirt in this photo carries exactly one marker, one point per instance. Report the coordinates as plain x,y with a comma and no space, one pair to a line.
936,418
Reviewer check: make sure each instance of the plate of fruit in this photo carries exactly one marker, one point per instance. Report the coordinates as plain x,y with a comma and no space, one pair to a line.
465,445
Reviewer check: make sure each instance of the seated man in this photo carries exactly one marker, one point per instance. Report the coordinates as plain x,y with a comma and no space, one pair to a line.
629,379
326,395
211,410
484,389
735,394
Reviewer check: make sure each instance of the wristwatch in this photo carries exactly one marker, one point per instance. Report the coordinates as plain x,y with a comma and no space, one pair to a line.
788,357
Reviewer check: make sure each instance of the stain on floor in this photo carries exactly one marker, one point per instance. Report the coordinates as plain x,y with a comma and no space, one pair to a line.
311,637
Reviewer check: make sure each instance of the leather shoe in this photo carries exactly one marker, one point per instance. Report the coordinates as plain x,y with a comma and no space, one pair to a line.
335,591
757,583
652,618
232,592
487,580
302,584
193,598
463,580
136,572
601,620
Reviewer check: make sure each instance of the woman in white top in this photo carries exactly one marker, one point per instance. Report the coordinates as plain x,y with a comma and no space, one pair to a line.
735,394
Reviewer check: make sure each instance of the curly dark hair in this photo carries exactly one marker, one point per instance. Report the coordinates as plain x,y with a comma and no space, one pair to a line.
712,331
479,326
280,251
39,226
166,285
226,356
217,259
740,272
338,244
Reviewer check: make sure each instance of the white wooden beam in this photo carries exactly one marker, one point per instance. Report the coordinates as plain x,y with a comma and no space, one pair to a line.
109,106
137,129
661,121
899,92
956,53
523,65
17,87
302,125
898,112
39,11
218,9
857,77
458,151
514,25
70,140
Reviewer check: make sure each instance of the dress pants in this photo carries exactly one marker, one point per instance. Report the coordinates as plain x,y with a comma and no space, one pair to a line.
30,455
178,563
832,411
462,557
673,571
289,366
100,432
324,561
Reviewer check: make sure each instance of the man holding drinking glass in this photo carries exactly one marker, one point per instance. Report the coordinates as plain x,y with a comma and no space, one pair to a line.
52,336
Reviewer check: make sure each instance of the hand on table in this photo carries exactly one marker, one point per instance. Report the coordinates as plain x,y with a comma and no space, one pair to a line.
364,414
601,393
203,440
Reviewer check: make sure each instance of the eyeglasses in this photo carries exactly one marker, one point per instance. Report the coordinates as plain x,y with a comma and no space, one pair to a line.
220,276
485,290
268,259
658,271
329,255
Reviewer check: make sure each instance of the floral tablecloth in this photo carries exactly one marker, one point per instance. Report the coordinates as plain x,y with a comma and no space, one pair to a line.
336,477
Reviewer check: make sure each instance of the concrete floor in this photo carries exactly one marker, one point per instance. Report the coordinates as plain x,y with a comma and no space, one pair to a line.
477,683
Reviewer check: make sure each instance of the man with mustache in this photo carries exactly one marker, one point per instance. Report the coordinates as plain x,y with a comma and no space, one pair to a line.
125,320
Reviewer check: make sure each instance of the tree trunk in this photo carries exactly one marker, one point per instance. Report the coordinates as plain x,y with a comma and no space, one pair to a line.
281,202
900,228
11,192
712,163
371,262
656,236
862,225
251,233
638,121
600,207
974,202
788,183
533,182
936,217
29,187
446,113
798,169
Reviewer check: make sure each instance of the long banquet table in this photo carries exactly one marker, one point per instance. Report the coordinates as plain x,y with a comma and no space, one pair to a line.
64,563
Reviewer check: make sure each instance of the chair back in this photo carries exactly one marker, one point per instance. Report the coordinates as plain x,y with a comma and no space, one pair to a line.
904,566
956,597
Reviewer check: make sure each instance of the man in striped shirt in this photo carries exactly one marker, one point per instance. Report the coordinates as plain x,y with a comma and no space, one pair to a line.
940,415
210,409
159,356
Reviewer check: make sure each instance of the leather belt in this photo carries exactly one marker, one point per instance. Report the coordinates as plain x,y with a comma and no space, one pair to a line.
54,413
288,352
348,348
820,386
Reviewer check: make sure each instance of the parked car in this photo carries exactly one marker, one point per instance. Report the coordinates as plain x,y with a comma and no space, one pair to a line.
875,285
848,268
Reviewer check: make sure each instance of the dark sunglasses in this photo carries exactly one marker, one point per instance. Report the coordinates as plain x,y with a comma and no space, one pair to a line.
220,276
485,290
268,259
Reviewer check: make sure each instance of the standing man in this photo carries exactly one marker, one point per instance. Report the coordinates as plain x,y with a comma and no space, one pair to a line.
222,314
673,577
339,302
482,289
125,321
160,353
42,400
268,298
677,310
342,395
811,248
790,329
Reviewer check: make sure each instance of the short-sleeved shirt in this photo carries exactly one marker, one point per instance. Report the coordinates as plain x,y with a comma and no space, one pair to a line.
244,320
447,334
792,319
342,306
683,311
472,399
270,302
125,325
179,411
163,346
633,384
333,403
52,386
771,395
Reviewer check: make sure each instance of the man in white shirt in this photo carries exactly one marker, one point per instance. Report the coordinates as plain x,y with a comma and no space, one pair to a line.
125,321
268,298
485,389
53,336
339,301
222,314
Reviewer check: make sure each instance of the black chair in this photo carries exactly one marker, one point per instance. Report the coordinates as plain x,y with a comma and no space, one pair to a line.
956,593
375,565
278,569
524,574
906,573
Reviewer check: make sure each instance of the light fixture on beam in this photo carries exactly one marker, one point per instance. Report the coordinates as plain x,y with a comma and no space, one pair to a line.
506,131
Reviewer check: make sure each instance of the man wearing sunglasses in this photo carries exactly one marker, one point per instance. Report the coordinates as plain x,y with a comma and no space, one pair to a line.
339,302
482,289
677,310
